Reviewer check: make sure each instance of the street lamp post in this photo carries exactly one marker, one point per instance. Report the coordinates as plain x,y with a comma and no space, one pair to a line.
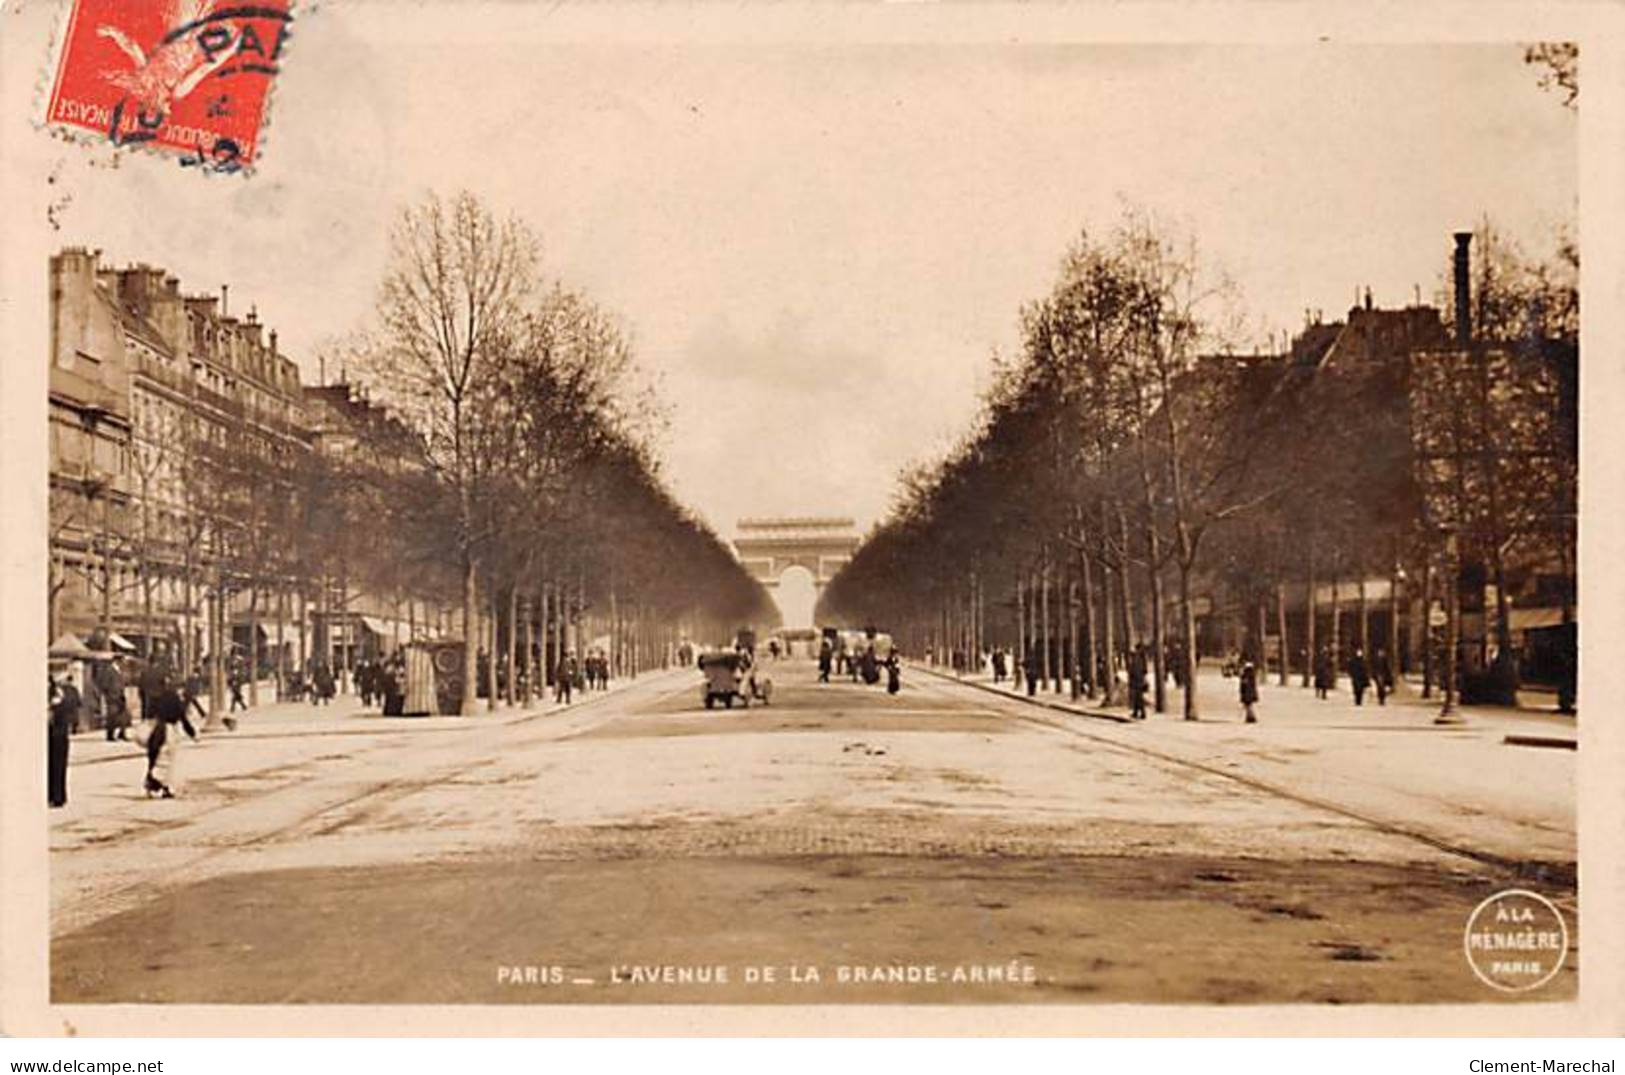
1448,712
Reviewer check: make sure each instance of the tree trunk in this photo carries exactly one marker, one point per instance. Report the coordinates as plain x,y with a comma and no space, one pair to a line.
1364,616
1048,666
1131,633
1336,641
1018,671
1260,661
1071,662
302,611
492,697
1087,656
471,670
1187,615
281,641
524,657
253,645
1159,675
1108,642
1311,613
1280,629
1395,660
1427,629
511,650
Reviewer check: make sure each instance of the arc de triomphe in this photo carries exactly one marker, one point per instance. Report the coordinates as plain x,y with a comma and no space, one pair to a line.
770,547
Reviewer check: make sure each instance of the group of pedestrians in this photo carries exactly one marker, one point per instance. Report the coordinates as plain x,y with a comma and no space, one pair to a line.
382,682
165,701
1364,675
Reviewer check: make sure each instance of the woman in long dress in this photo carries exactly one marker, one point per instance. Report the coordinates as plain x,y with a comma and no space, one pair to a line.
163,745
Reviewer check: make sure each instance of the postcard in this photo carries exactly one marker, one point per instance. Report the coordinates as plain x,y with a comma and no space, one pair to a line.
810,519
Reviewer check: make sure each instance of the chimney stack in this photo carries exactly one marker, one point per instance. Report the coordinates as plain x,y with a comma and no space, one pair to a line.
1463,269
225,289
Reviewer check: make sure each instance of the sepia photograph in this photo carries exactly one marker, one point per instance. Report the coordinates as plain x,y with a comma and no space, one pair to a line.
779,509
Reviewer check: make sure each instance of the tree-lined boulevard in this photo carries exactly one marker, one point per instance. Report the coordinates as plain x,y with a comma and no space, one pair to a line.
369,859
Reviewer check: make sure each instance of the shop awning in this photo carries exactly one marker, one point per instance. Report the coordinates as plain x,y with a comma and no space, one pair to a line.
1532,619
377,626
118,641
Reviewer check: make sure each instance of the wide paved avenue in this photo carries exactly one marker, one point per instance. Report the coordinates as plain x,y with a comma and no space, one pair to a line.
943,845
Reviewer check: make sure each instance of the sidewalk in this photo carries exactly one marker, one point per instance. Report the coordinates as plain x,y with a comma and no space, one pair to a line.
1217,699
344,716
1459,786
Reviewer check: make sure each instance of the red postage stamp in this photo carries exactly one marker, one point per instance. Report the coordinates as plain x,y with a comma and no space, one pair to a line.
188,76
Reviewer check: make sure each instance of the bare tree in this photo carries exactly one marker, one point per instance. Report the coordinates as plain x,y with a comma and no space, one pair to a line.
457,287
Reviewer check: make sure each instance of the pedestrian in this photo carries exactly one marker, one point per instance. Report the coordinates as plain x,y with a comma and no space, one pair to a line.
894,674
1033,667
391,676
564,677
1382,676
1137,682
324,683
235,682
1325,681
110,684
163,744
154,680
1249,690
998,666
826,660
64,701
1359,675
191,691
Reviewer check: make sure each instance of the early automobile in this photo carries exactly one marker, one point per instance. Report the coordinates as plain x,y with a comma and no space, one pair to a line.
731,677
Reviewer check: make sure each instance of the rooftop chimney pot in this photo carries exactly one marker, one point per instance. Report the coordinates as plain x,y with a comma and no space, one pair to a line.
1463,267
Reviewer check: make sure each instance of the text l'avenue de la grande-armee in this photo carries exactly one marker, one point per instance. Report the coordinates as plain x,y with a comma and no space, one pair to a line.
1014,973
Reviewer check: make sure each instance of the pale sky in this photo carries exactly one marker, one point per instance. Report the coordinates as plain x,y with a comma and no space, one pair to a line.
817,247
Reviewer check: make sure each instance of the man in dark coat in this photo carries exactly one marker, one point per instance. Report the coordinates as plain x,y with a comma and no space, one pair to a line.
1382,676
1249,690
998,666
1035,668
894,674
564,677
826,660
1359,676
1324,682
110,684
323,680
64,701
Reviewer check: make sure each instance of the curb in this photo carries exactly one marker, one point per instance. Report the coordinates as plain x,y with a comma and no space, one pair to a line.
1059,707
1541,741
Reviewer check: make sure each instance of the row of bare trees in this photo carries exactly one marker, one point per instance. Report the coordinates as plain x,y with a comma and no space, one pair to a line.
1128,468
531,474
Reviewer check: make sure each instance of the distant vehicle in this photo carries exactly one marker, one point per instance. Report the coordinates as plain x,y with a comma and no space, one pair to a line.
730,677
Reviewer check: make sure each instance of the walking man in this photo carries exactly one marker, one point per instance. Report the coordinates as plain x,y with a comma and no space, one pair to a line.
1382,676
1323,674
63,698
564,677
1034,669
1359,675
